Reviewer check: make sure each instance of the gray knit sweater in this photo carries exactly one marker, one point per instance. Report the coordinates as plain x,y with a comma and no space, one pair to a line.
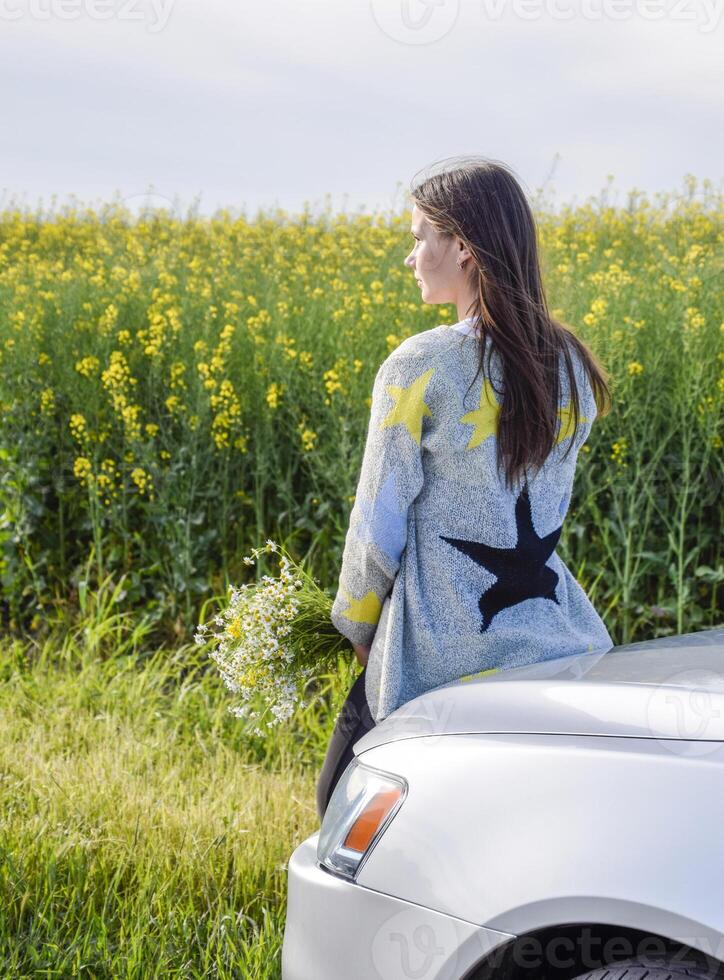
445,571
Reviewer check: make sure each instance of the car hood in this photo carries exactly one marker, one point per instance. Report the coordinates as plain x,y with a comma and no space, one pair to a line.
667,688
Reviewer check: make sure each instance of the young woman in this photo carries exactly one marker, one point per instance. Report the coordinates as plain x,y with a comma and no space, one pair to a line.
449,566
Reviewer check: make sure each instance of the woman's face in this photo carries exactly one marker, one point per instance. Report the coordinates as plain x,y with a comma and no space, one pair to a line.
433,260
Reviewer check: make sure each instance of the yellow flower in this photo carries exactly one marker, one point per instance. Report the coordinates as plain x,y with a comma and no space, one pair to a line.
117,374
82,468
707,404
131,424
108,319
143,480
693,319
619,451
176,372
273,394
598,308
47,401
234,628
332,382
78,428
173,404
87,366
308,439
635,367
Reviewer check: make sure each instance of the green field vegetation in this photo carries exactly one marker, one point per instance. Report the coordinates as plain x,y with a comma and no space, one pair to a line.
173,392
144,831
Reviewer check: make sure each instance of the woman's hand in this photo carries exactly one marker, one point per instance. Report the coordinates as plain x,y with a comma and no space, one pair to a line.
362,653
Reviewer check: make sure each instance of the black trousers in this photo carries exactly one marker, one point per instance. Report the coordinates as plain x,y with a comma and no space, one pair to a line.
355,719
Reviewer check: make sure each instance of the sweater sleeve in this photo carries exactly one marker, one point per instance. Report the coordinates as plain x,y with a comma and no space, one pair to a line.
391,477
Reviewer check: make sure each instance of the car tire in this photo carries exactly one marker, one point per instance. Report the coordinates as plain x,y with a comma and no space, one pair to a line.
640,969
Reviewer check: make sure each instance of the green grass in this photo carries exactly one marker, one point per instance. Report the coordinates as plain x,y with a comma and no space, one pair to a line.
143,832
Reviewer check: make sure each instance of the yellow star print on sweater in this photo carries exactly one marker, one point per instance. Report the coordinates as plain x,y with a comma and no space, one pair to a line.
566,427
485,418
409,408
364,610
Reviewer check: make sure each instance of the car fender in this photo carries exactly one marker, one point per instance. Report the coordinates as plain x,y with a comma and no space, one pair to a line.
518,832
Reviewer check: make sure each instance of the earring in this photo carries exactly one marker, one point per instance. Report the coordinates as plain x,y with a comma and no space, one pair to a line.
460,264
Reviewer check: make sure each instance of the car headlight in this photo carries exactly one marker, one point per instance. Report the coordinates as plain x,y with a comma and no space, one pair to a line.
362,805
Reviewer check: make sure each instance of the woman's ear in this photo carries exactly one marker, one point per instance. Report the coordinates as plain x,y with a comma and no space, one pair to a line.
463,252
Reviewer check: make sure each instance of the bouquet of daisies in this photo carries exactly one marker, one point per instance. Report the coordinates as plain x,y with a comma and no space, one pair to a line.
271,637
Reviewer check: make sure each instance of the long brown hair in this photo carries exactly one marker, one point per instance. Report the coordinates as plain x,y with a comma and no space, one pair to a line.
481,202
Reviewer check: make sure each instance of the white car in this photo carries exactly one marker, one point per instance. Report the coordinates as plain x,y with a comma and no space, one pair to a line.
564,819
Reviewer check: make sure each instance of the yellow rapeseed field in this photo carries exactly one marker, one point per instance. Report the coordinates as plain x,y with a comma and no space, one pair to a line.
175,390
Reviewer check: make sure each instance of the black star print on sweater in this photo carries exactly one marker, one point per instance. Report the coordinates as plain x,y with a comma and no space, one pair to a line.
521,571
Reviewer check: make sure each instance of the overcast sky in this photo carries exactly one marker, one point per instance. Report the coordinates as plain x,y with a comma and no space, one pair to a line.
278,102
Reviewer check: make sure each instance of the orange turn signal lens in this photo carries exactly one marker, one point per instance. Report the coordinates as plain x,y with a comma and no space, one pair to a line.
370,819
